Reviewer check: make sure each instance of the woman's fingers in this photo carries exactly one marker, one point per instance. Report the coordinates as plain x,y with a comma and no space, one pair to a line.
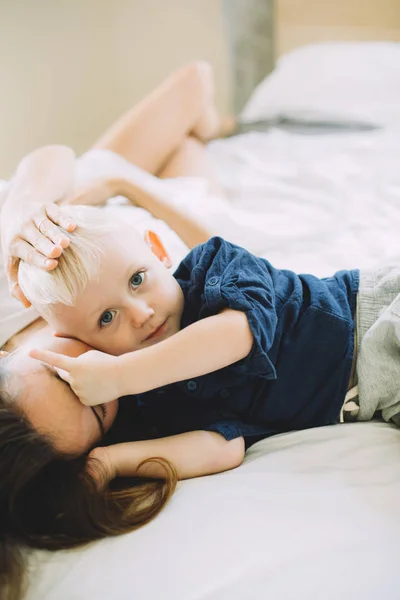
13,285
17,293
43,230
60,217
25,251
40,242
50,230
58,361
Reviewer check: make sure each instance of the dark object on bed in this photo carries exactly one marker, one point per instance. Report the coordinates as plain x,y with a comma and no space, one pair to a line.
304,126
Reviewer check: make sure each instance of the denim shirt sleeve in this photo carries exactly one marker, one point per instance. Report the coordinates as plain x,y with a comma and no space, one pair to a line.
222,275
234,428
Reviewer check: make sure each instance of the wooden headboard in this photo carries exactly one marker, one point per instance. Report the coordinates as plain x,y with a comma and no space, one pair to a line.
300,22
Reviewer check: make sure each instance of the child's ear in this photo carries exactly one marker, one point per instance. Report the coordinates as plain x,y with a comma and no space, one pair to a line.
157,248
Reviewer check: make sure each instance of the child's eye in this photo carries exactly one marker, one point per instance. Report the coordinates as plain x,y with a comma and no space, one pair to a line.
137,279
107,317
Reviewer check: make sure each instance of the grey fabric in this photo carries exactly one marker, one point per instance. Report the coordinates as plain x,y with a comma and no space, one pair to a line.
378,332
250,34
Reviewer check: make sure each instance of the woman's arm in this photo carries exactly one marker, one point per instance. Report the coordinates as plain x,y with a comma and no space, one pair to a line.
191,231
45,175
193,454
182,222
42,177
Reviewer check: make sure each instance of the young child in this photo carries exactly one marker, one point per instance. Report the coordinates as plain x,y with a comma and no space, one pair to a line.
228,349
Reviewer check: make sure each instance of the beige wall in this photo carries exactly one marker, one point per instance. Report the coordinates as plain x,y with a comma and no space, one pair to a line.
69,67
300,22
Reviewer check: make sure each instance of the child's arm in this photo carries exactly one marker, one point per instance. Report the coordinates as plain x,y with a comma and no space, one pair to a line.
203,347
193,454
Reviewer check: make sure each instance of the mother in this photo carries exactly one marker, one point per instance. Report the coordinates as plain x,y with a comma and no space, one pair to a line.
48,499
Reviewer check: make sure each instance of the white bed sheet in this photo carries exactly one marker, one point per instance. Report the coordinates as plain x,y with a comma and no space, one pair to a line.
318,203
310,514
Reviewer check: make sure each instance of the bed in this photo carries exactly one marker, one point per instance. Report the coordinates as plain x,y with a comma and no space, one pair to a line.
314,513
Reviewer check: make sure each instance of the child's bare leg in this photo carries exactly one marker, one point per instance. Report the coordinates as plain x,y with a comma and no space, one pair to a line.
156,130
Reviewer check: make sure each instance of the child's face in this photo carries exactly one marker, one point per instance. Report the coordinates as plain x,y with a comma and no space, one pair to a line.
134,302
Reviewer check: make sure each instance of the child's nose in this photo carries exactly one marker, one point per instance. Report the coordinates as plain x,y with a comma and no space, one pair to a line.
139,313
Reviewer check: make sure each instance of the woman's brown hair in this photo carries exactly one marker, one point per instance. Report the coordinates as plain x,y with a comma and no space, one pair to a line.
50,501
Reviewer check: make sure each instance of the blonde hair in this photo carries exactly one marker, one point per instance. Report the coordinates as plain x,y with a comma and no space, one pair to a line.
77,265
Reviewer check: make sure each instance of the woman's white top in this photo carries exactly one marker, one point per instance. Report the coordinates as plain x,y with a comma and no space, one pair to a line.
93,165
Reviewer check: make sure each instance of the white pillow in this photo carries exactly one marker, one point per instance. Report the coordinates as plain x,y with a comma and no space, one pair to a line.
338,82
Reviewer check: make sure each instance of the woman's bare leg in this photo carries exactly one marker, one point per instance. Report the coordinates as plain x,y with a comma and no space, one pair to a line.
157,134
191,160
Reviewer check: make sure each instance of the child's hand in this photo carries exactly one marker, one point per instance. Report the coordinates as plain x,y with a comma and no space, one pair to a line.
93,376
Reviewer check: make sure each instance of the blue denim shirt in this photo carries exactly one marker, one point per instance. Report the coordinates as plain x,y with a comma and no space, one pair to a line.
297,373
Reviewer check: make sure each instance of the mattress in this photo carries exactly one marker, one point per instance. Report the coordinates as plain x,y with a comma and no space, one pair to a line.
310,514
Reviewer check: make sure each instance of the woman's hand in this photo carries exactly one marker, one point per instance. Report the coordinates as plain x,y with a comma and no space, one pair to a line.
42,177
94,376
39,242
